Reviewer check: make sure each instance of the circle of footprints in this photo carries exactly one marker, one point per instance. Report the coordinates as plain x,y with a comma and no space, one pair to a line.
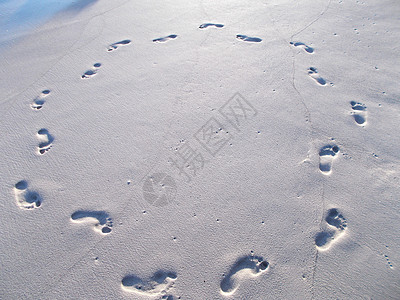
248,266
336,225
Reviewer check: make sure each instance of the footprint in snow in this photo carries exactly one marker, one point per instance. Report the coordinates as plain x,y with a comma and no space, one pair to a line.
206,25
25,198
92,72
306,48
245,267
101,220
45,141
336,226
359,112
326,156
313,73
246,38
165,38
115,46
157,285
39,101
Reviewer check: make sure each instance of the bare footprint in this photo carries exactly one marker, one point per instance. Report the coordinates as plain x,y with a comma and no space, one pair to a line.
101,220
306,48
246,38
115,46
315,75
165,38
359,112
247,266
45,141
39,101
326,156
206,25
93,71
157,285
336,225
25,198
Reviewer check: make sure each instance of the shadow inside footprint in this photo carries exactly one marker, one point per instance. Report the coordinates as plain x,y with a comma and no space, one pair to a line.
165,39
115,46
359,112
39,101
325,238
45,140
206,25
159,283
314,74
308,49
336,219
90,73
326,156
246,38
104,222
26,198
247,265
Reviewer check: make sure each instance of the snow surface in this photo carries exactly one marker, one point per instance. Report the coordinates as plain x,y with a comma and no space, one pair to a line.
200,149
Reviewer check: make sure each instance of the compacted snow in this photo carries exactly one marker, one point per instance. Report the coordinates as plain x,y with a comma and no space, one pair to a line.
200,149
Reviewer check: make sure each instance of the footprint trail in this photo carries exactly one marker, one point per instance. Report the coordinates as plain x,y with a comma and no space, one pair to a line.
313,73
25,198
336,226
326,156
245,267
102,221
157,285
306,48
92,72
165,38
246,38
38,102
115,46
359,112
45,141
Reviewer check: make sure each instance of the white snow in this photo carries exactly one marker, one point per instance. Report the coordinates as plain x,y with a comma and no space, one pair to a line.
200,149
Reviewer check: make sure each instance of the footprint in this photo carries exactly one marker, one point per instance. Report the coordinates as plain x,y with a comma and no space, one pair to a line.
206,25
165,38
157,285
337,224
308,49
326,155
90,73
246,38
247,266
102,221
359,113
314,75
39,101
45,141
115,46
25,198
